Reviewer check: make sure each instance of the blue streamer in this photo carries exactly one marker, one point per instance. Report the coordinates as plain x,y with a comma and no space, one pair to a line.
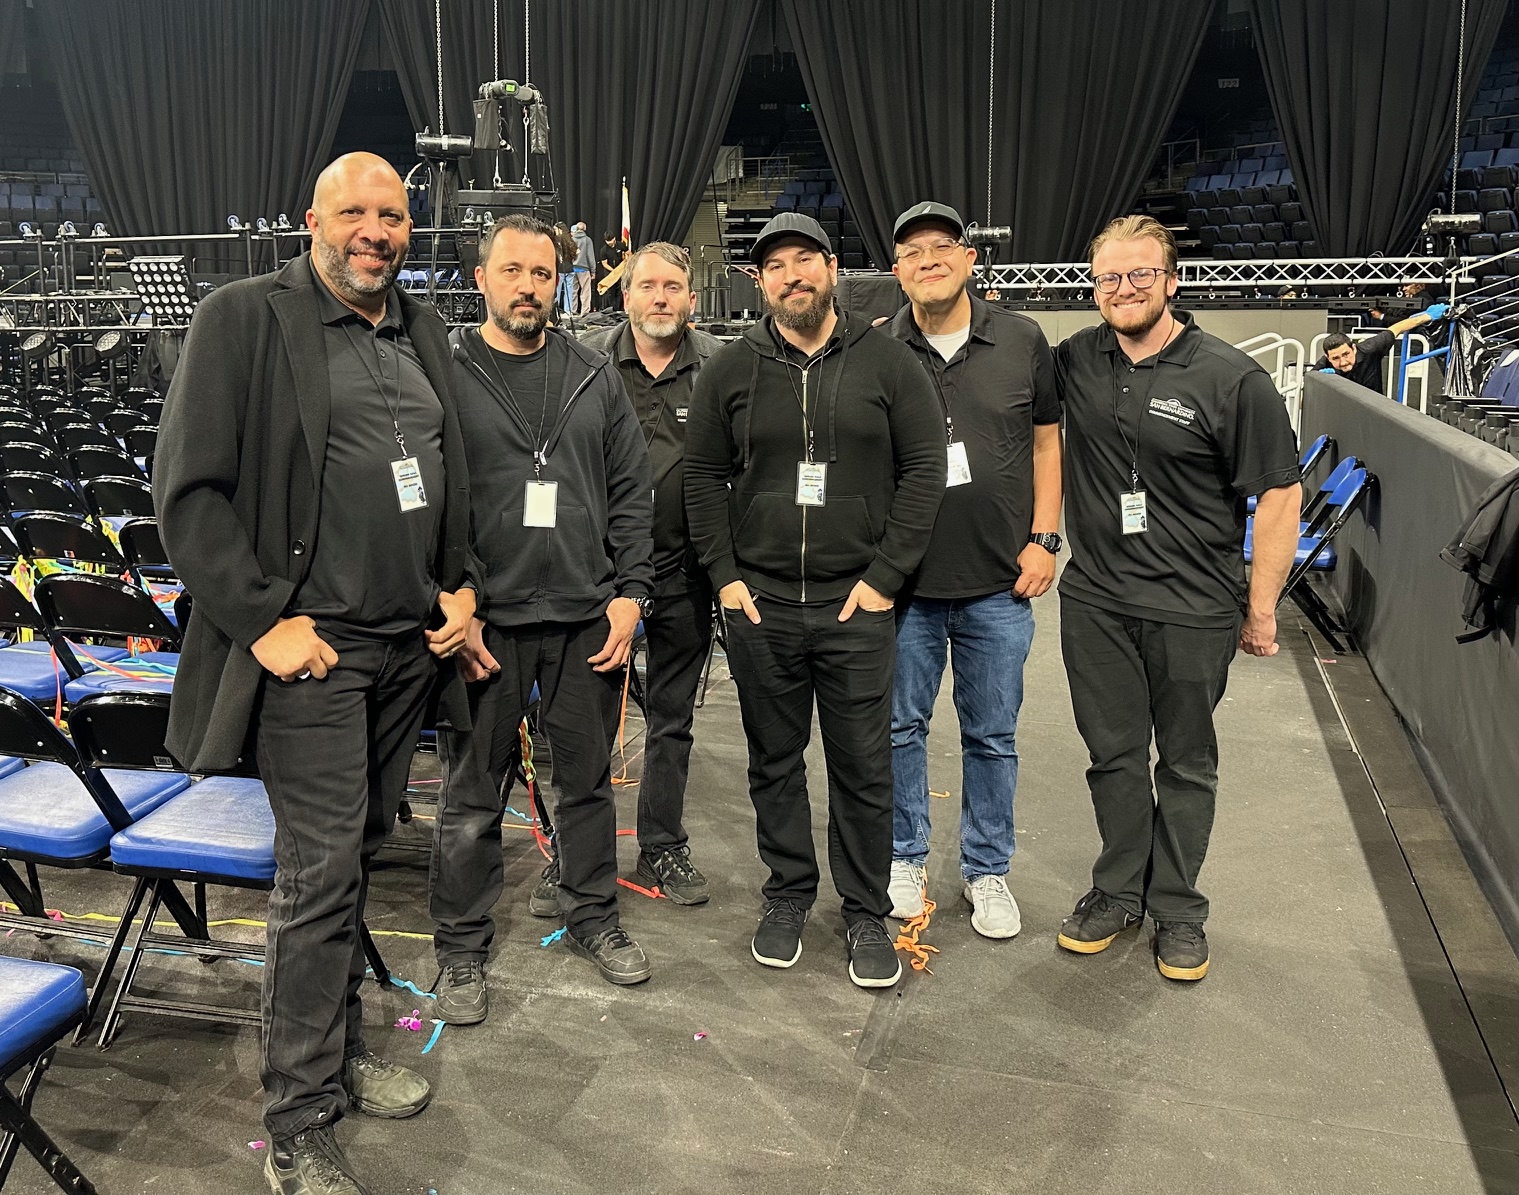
518,815
437,1032
555,936
407,985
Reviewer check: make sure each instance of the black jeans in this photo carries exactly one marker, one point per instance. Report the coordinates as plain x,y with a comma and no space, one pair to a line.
678,636
1130,677
578,714
794,654
335,755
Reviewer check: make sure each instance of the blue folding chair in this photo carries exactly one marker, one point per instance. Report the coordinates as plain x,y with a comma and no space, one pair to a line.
30,668
1316,552
80,604
40,1003
1306,463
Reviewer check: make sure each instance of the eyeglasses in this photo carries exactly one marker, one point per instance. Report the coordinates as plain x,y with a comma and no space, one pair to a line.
1140,279
938,251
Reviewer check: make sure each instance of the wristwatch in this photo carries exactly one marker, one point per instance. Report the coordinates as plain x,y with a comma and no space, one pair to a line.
645,605
1047,540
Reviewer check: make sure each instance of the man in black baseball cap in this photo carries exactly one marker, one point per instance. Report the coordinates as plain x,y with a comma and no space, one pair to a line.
814,469
927,213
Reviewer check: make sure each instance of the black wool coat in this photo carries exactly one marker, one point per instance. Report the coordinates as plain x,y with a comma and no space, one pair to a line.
236,485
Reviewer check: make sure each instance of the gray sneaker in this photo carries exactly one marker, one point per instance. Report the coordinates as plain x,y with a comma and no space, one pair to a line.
906,888
994,912
379,1088
461,998
544,902
310,1163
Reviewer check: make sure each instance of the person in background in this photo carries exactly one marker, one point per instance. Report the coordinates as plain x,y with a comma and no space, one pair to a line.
993,550
567,251
1168,431
1361,361
613,247
585,267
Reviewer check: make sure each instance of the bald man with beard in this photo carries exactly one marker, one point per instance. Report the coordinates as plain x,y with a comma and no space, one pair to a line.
311,491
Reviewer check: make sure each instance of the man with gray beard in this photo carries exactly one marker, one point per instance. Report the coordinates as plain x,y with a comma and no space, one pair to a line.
311,491
560,494
815,465
659,356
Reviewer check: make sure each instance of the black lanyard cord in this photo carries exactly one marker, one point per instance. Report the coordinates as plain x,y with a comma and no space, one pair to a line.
1139,425
379,382
540,445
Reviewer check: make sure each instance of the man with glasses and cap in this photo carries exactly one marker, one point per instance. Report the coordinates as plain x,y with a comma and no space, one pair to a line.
814,468
1168,431
993,550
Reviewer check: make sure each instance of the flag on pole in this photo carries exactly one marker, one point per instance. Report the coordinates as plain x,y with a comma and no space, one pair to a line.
627,220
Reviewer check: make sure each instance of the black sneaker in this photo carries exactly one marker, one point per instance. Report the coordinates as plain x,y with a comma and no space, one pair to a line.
873,961
673,873
1181,949
461,993
310,1163
544,902
1093,924
620,959
376,1087
778,941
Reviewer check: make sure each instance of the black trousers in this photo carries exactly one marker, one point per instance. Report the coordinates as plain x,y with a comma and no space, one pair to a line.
796,654
578,714
334,755
1131,678
677,636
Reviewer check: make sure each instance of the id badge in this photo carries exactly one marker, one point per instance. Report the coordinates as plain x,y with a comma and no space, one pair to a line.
540,500
409,489
959,466
811,483
1132,506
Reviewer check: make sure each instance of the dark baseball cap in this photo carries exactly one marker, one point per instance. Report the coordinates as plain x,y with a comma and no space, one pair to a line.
940,213
789,224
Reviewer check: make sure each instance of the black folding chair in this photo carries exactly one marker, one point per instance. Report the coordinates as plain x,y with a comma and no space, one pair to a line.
22,457
93,461
75,605
117,496
74,436
40,491
45,535
144,550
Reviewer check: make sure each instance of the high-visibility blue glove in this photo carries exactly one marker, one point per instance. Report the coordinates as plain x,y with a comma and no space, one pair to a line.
1327,369
1437,310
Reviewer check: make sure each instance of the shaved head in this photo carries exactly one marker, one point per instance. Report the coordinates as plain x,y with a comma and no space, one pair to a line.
360,229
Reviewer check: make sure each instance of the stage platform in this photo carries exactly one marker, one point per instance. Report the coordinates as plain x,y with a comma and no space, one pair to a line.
1355,1034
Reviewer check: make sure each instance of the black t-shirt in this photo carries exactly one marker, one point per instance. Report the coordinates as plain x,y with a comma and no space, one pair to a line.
998,385
1210,430
1369,353
535,382
372,563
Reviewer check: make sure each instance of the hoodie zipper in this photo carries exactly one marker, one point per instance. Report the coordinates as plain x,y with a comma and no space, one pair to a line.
806,431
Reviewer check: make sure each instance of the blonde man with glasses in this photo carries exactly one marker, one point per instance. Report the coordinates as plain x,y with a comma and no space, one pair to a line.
1168,431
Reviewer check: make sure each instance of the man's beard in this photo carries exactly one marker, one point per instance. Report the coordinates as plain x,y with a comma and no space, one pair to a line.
1146,318
670,330
806,319
519,327
349,284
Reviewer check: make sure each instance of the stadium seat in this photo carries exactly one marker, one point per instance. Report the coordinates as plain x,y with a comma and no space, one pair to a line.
1229,234
1222,252
1482,244
1251,234
1475,159
1499,222
1218,216
1244,251
1251,196
1239,214
1228,196
1489,141
1494,199
1268,178
1265,250
1469,180
1274,232
1302,231
1466,201
1263,213
1288,249
40,1004
1289,213
1498,176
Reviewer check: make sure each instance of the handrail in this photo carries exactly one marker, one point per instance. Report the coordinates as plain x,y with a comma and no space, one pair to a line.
1287,372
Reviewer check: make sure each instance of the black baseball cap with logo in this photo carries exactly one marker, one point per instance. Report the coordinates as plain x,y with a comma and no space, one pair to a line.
789,224
939,213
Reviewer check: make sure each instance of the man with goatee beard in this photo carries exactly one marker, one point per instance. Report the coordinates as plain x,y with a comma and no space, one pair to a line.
815,465
659,356
312,493
560,491
1168,432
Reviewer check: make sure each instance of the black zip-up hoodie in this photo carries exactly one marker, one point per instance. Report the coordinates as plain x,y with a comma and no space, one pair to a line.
601,545
875,422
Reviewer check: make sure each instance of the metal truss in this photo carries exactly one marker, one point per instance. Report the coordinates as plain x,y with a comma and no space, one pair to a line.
1207,274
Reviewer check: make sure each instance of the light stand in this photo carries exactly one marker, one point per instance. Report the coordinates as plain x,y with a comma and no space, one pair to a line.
110,346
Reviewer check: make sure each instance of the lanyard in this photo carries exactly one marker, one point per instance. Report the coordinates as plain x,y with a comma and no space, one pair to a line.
541,450
1139,426
393,408
801,401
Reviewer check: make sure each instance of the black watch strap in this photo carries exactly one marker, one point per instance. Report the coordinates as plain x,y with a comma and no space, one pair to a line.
1047,540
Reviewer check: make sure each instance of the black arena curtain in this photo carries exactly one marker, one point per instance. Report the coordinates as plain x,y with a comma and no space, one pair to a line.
1364,92
482,40
1084,93
12,30
190,110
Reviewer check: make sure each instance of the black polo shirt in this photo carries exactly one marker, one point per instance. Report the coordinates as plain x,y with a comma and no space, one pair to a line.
662,405
1210,430
372,563
993,391
1369,354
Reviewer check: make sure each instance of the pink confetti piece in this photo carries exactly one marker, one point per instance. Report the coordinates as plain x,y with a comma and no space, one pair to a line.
55,915
412,1023
701,1036
257,1144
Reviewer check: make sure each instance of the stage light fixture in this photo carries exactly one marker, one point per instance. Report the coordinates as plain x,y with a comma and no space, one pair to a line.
36,346
1460,224
164,288
110,343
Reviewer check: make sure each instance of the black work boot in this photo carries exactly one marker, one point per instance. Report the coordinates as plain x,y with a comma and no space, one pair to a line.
460,992
1181,949
1093,924
310,1163
379,1088
544,901
670,870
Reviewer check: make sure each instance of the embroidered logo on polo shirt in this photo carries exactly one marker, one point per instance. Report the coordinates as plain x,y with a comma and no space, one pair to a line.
681,413
1170,408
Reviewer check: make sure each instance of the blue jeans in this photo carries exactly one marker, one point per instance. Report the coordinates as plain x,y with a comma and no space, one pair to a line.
989,638
565,295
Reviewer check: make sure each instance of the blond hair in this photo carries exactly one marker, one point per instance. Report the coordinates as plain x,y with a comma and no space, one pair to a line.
1132,228
665,251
